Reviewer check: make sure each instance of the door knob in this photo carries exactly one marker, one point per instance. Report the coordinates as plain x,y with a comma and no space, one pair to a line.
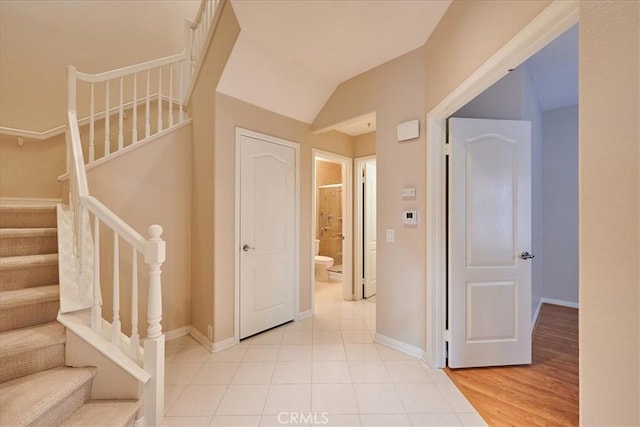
247,248
526,255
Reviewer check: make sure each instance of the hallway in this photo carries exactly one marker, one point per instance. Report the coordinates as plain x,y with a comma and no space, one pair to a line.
326,367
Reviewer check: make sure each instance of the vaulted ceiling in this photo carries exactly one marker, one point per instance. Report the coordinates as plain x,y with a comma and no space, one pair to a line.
289,57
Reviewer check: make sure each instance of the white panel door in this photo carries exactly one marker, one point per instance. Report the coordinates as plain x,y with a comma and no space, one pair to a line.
370,229
267,235
489,241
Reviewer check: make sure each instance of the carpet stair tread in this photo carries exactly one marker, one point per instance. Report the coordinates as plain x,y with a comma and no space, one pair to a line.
46,397
104,413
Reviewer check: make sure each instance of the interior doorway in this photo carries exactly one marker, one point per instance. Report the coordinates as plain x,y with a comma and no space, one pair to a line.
555,20
332,222
365,243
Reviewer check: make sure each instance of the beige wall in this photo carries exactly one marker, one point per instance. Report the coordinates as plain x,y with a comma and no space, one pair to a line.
32,170
394,90
39,39
231,113
469,33
609,135
150,185
364,145
202,110
406,88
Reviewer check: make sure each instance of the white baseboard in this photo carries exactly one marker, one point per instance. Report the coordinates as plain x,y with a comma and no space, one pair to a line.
400,346
177,333
198,336
304,314
225,344
13,201
206,342
563,303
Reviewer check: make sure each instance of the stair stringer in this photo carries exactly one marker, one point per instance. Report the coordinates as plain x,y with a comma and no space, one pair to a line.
111,381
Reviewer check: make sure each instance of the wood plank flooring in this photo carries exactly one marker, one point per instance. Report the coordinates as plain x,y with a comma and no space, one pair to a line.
544,393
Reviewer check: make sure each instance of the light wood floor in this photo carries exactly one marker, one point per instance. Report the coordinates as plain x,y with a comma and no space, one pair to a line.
544,393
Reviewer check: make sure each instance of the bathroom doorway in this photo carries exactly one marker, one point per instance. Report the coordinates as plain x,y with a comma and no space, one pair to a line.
331,223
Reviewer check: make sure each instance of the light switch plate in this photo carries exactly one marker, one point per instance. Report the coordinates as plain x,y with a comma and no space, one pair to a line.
391,235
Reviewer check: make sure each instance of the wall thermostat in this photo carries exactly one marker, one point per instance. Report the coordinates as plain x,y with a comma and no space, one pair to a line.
410,217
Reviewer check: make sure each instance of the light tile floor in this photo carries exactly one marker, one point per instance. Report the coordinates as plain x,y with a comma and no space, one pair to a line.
324,370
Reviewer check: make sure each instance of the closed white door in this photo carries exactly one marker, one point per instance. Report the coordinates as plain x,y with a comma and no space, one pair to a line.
370,229
267,234
489,241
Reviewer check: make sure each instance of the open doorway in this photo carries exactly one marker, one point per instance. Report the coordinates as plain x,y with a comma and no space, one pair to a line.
556,19
331,223
548,103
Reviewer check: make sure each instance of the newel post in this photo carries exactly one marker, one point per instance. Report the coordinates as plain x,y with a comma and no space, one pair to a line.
154,256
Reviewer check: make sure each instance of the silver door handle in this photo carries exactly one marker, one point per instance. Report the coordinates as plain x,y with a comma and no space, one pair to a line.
526,255
247,248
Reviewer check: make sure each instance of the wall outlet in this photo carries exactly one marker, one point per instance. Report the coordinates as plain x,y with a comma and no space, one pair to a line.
210,332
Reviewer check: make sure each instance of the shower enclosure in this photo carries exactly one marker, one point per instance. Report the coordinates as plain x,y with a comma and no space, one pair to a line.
329,223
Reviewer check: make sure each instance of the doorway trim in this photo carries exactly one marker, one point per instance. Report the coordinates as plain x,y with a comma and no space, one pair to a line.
558,17
347,226
358,225
296,228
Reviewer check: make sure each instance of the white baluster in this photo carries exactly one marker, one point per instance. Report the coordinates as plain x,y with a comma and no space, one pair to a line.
154,344
107,142
154,257
170,95
96,309
159,100
181,112
70,166
134,131
115,323
92,150
121,116
147,124
83,285
192,55
135,336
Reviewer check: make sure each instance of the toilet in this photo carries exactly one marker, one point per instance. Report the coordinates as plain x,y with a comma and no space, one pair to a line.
322,263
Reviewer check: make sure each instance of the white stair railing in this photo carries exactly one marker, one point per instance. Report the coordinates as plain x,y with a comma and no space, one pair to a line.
88,210
85,208
200,32
151,94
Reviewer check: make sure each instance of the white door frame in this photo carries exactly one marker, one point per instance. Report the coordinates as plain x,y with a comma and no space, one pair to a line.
549,24
358,225
347,206
296,231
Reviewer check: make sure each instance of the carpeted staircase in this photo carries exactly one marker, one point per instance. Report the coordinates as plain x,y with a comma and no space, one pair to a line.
36,389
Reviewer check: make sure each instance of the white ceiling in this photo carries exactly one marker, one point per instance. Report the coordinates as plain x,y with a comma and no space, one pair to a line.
291,55
554,71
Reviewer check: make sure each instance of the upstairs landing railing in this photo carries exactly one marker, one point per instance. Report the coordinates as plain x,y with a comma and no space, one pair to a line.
144,100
